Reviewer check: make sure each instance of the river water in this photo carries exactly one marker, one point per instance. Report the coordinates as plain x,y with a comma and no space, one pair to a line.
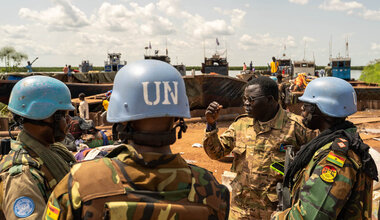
355,74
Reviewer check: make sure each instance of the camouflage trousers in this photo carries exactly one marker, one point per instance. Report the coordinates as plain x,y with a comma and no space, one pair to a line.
238,213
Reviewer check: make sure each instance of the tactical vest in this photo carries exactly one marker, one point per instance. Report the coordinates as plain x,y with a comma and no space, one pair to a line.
126,201
14,161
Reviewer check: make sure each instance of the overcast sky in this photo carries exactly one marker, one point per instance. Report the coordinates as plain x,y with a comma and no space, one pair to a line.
63,32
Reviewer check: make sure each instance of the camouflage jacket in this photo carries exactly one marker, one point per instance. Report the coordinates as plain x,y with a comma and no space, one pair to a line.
331,186
256,145
128,185
23,174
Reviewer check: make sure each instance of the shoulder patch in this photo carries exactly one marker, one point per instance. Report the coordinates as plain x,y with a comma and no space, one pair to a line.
241,116
23,207
328,174
340,145
52,212
335,159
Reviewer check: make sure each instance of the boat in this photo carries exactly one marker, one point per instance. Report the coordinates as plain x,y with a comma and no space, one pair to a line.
76,87
206,88
285,65
341,66
114,63
165,58
304,66
85,66
215,64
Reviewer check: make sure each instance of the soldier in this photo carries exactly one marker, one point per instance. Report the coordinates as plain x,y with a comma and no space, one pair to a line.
331,177
257,139
36,162
142,179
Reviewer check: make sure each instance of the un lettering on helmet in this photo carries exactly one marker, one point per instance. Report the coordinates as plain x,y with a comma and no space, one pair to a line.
148,89
167,90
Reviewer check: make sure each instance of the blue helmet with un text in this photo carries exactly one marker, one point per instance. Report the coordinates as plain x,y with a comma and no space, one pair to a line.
39,97
334,97
147,89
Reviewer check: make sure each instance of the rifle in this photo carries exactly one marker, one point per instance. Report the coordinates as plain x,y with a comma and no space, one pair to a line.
283,193
5,146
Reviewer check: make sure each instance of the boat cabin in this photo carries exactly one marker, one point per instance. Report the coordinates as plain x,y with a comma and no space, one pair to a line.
114,64
85,66
165,58
215,64
285,64
341,67
304,66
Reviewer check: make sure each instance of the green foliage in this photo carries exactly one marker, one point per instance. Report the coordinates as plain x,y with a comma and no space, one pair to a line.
8,54
371,73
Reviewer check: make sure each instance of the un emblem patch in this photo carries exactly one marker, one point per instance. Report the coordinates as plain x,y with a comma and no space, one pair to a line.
23,207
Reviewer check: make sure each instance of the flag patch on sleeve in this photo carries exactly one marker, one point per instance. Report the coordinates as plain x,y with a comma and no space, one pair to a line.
335,159
52,212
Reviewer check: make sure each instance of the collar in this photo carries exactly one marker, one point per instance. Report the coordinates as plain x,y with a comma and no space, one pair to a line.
28,140
128,154
277,122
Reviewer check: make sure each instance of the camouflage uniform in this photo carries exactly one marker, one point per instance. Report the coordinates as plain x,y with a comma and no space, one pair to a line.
128,185
24,174
256,145
331,186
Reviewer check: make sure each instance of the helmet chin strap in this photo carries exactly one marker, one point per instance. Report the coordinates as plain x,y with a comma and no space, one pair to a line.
58,134
152,139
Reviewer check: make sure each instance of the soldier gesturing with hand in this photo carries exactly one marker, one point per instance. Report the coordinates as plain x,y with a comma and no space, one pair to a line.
212,113
257,140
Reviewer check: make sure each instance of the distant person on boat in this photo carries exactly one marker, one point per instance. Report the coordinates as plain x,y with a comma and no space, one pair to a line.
29,67
142,175
300,82
69,74
37,161
244,67
105,104
65,69
83,107
322,73
251,66
274,66
257,139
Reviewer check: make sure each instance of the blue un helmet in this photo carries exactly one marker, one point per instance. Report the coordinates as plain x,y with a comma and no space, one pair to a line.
147,89
333,96
39,97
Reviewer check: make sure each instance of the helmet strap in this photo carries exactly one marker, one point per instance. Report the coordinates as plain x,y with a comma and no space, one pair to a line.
58,134
152,139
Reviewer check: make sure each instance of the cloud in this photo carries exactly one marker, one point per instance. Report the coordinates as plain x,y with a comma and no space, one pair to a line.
200,28
371,15
14,31
170,7
261,41
211,29
375,46
299,2
337,5
135,19
63,16
236,15
308,39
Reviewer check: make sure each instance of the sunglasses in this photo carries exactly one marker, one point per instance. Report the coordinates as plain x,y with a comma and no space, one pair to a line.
251,99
